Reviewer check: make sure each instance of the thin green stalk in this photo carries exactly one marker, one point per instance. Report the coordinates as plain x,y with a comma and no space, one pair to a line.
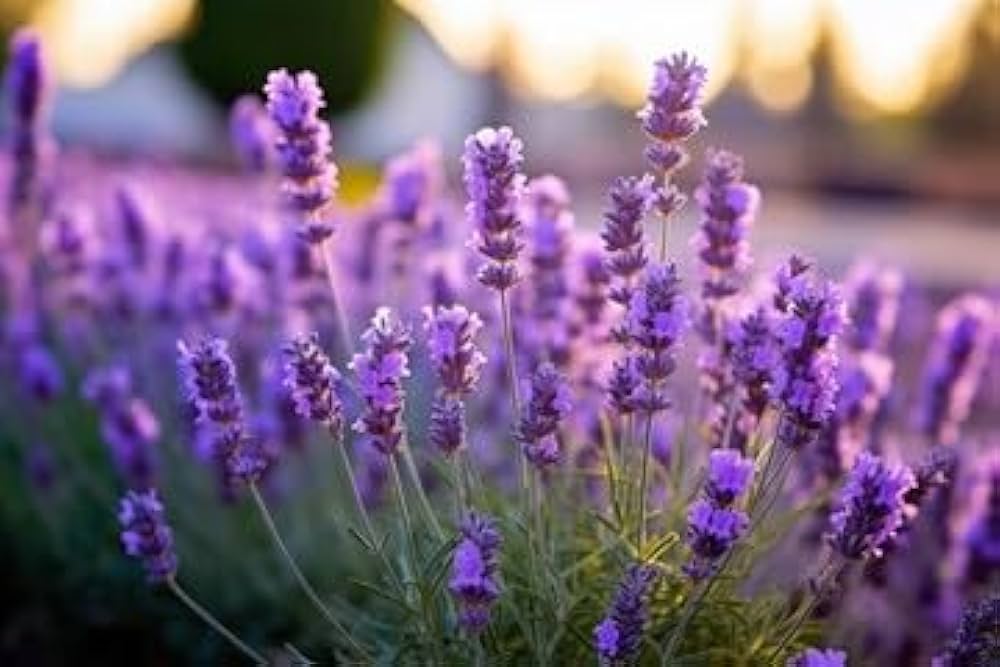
690,609
213,622
304,584
644,480
404,510
425,503
342,326
830,575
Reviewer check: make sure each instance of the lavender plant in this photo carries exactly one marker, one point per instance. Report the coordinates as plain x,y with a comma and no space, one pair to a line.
550,502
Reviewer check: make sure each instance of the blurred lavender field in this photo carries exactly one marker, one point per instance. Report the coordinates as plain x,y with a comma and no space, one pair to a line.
330,368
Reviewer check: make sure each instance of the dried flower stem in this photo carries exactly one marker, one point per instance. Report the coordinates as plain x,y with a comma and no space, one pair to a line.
304,584
213,622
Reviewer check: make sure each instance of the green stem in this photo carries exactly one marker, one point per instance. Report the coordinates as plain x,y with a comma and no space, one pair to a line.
690,608
304,584
213,622
644,480
425,503
342,327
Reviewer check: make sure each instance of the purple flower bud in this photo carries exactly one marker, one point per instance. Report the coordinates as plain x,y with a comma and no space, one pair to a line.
137,224
146,536
252,134
672,113
870,508
550,228
411,185
494,184
623,385
815,657
618,637
446,430
975,641
711,532
380,371
208,376
729,476
28,81
978,551
40,374
547,403
729,206
475,571
873,294
623,234
966,328
130,429
591,295
311,381
303,149
107,386
458,363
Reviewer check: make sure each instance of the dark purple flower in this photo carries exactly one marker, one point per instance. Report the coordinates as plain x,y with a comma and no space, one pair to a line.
975,642
251,133
657,317
303,147
28,86
137,224
630,200
979,546
40,466
40,375
494,184
623,385
711,532
755,356
618,637
130,429
446,430
475,571
311,382
728,207
965,331
547,403
816,657
672,113
146,536
870,508
208,376
805,383
729,476
106,386
380,370
455,358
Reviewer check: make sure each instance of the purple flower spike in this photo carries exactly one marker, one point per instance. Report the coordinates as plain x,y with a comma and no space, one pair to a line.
550,226
871,507
475,571
303,148
873,294
729,476
547,403
623,234
252,134
494,184
380,370
975,641
411,185
146,536
618,637
657,317
28,87
728,207
130,429
311,381
455,358
815,657
806,382
41,376
966,329
711,532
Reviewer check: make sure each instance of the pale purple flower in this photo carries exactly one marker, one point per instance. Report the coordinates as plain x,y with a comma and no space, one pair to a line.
380,370
630,200
816,657
455,358
618,637
494,184
311,382
547,404
672,113
252,134
873,295
870,507
729,476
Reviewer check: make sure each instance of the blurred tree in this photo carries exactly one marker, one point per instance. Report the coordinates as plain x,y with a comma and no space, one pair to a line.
232,45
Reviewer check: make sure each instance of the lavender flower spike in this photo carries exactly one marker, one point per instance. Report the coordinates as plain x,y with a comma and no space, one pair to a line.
28,86
547,404
303,148
494,183
456,360
623,235
871,507
311,381
380,370
815,657
672,113
618,637
146,535
729,476
975,642
251,133
711,532
966,328
475,571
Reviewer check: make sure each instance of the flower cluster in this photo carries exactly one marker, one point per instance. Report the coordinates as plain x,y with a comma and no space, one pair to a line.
713,524
870,508
975,641
145,534
475,571
380,371
494,184
623,235
657,317
457,362
966,328
805,383
817,657
618,636
547,403
672,113
755,358
311,381
303,147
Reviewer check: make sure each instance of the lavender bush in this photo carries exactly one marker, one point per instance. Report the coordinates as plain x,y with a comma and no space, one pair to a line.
548,445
